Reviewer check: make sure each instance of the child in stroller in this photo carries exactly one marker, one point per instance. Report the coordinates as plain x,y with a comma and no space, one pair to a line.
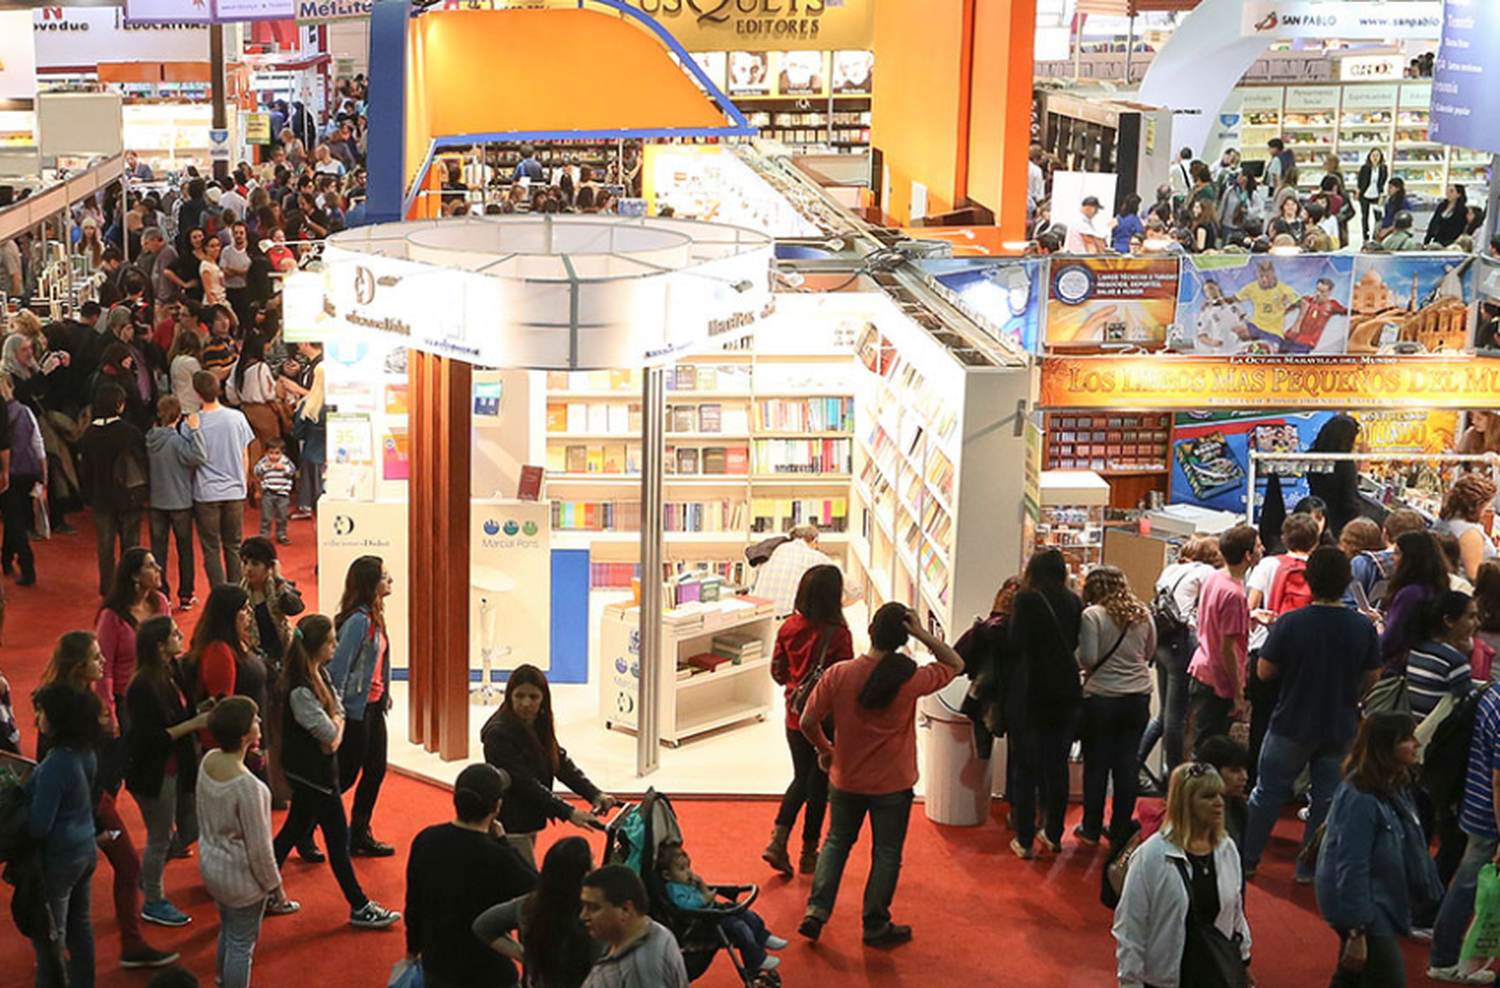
647,838
746,931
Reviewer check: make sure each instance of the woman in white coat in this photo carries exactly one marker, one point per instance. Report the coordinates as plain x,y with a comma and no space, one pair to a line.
1181,918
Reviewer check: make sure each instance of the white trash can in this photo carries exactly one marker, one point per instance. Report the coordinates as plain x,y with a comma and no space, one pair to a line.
958,781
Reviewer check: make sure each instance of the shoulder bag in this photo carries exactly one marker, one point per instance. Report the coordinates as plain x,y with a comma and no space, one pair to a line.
1225,951
1089,674
804,689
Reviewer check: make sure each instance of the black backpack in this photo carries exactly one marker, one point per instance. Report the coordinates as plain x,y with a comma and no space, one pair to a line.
1169,623
132,481
21,862
1445,763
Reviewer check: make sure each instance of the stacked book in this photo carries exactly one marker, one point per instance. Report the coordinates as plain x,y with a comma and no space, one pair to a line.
738,647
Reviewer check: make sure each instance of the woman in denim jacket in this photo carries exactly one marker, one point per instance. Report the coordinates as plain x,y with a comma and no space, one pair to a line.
361,673
1373,869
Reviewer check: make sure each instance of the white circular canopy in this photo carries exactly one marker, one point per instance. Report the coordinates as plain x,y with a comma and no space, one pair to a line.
545,292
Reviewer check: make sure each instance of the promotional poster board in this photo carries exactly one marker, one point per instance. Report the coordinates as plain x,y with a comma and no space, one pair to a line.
17,55
511,566
1114,299
853,73
1262,303
1211,455
1005,295
350,529
801,73
1466,78
1411,298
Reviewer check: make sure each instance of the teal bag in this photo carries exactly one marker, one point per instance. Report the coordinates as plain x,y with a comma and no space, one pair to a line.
630,831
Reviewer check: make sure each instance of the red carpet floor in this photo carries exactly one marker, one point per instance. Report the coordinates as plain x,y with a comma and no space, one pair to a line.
981,916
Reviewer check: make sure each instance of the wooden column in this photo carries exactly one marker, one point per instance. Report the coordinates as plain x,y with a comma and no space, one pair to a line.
439,546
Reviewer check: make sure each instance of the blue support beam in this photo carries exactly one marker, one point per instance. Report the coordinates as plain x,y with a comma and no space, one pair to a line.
386,157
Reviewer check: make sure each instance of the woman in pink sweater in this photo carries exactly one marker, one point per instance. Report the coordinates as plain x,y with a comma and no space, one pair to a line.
235,856
133,598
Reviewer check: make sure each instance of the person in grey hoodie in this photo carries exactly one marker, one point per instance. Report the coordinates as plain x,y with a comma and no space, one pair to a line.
175,449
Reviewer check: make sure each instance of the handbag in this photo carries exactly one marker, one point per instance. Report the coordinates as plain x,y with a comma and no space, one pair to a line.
405,974
804,688
1224,951
1387,694
41,518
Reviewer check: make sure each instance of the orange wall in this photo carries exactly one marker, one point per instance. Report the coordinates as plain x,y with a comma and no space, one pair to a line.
1000,122
915,111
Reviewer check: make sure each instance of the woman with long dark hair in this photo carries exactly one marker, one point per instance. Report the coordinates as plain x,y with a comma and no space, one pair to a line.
1450,219
554,945
1372,178
873,765
312,730
521,739
1044,634
1420,576
815,637
1339,488
134,597
361,675
1374,872
455,872
221,662
162,757
77,664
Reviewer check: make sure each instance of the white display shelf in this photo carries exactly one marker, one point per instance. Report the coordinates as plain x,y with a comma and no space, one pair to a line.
724,672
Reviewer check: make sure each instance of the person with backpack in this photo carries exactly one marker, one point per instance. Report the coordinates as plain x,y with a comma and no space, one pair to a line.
1326,657
807,643
114,479
1277,586
1362,541
1174,610
1373,872
1216,694
1116,640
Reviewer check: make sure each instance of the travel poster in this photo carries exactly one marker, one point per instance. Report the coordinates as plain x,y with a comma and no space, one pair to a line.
1104,301
1411,301
1211,455
1263,304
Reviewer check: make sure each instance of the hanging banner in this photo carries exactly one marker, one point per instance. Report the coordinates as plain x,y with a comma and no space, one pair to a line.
1347,21
1110,300
774,25
1003,295
17,56
1466,78
1263,303
82,37
1420,300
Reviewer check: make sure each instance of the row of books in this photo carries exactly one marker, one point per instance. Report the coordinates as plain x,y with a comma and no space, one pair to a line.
831,456
605,458
613,576
728,461
682,377
709,417
615,417
769,514
594,380
806,415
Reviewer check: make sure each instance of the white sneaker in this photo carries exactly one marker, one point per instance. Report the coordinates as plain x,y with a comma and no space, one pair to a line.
770,963
1462,973
775,942
1302,814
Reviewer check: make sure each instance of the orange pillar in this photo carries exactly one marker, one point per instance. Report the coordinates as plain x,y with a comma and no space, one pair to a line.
1001,100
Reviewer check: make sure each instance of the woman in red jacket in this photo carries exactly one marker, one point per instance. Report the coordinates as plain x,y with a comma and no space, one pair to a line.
812,639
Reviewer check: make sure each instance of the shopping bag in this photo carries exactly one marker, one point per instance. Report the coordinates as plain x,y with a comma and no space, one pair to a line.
1388,694
41,519
405,974
1483,940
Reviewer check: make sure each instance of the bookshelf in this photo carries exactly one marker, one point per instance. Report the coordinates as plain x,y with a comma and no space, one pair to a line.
757,441
936,467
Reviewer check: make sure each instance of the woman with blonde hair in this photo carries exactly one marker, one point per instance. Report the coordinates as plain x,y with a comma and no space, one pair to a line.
1116,642
1462,510
1181,918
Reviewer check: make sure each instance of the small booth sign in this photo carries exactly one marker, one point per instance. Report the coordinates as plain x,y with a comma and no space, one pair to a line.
1368,68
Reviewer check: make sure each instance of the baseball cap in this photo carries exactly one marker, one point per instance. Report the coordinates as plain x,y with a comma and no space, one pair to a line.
1091,201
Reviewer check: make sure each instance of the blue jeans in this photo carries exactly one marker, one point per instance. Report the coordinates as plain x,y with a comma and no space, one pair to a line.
889,815
239,928
1281,761
67,888
748,935
1457,909
1170,725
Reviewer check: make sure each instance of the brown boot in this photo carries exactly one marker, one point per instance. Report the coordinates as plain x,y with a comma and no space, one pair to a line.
775,852
808,863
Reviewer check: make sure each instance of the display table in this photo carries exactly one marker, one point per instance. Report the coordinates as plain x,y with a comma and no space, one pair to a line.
737,689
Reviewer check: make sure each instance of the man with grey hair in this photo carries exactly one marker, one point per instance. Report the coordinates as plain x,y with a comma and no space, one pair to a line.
780,576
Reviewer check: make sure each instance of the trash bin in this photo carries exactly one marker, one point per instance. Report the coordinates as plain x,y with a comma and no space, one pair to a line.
958,781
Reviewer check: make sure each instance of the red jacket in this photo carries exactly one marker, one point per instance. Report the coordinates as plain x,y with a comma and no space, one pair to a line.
797,652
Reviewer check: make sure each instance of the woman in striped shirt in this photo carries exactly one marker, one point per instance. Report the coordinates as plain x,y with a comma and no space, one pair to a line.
1440,665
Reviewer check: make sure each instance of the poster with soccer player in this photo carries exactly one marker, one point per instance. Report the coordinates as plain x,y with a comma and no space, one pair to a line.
1263,303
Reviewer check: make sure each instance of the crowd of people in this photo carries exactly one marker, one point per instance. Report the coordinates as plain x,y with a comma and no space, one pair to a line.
1256,207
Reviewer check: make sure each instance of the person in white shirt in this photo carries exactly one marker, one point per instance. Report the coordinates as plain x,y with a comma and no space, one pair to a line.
778,577
232,198
1179,177
1088,234
234,261
1174,875
1220,326
1036,180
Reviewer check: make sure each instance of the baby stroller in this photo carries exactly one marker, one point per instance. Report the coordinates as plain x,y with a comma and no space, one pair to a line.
635,838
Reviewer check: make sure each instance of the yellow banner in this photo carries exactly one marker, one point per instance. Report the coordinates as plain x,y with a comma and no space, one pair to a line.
765,25
1185,383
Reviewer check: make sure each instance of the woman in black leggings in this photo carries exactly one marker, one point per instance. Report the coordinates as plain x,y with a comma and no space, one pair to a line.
313,728
361,675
